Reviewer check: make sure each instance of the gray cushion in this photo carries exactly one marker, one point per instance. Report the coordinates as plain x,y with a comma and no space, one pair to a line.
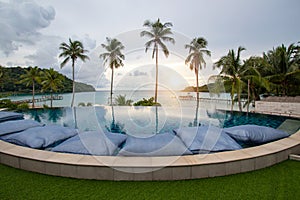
5,116
166,144
17,126
255,134
40,137
205,139
92,143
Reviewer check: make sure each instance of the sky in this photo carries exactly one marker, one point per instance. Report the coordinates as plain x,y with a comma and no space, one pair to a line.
32,30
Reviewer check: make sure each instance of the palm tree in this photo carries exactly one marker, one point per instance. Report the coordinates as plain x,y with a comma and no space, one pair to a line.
52,80
284,67
113,57
197,48
72,51
232,71
31,77
158,34
122,101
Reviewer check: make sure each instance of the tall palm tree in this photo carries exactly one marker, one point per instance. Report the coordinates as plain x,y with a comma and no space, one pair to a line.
197,48
31,77
232,71
284,66
72,51
158,34
52,80
113,57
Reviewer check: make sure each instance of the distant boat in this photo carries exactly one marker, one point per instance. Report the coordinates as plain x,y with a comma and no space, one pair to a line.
188,97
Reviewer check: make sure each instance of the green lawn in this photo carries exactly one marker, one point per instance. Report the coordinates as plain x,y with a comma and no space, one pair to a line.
281,181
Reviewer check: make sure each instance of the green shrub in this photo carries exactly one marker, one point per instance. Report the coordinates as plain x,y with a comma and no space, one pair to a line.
23,106
7,103
147,102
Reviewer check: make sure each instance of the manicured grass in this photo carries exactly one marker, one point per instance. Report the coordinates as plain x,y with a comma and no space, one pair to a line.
281,181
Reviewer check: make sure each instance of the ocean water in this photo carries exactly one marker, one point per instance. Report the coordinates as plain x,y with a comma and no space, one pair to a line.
166,98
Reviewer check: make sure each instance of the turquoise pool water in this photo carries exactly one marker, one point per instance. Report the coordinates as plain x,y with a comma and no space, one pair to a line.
141,121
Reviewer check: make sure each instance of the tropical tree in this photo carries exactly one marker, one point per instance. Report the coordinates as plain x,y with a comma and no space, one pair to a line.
254,69
195,60
232,72
113,57
31,77
284,68
122,101
72,51
51,80
158,33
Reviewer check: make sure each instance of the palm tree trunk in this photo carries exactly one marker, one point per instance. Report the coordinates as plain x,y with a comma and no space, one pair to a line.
156,120
156,76
33,94
197,85
248,95
239,99
196,115
73,77
111,85
51,100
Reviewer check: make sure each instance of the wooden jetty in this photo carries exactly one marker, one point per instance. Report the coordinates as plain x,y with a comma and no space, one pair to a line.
43,99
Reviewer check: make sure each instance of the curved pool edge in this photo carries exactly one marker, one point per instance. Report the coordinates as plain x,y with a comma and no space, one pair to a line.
149,168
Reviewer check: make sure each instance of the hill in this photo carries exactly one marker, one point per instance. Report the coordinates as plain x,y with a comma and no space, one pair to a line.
11,76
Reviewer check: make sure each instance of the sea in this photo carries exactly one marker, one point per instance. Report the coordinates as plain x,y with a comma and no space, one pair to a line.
165,98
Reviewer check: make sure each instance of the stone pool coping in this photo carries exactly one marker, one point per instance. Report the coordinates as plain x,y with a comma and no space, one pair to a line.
149,168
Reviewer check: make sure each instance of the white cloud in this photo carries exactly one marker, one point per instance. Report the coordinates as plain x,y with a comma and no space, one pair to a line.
20,23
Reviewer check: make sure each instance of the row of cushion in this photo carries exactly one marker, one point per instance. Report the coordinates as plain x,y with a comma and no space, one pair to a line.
183,141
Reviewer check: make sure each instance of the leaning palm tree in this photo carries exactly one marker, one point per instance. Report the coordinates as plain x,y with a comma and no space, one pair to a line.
32,77
158,34
197,48
113,57
72,51
52,80
232,72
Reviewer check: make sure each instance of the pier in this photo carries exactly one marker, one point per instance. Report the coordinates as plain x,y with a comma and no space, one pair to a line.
43,99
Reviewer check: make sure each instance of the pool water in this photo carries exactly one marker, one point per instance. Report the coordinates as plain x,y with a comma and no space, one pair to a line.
145,121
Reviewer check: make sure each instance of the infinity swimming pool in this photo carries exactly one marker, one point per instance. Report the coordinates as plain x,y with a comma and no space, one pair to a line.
146,120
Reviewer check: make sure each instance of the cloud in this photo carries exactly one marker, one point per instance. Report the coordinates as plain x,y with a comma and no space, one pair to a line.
138,73
20,23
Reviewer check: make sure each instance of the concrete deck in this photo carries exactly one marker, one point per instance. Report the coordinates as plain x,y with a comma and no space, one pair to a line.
149,168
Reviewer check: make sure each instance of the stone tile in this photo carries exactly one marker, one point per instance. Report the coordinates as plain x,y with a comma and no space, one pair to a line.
282,156
9,160
233,167
200,171
295,149
229,156
32,165
86,172
123,174
247,165
68,170
104,173
143,174
163,174
52,169
65,158
217,170
181,173
265,161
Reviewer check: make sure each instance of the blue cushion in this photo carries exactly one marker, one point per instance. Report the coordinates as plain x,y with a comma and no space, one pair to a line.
165,144
205,139
40,137
6,116
17,126
255,134
92,143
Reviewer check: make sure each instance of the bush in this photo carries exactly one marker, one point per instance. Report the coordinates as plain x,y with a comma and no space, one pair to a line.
23,106
7,103
147,102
